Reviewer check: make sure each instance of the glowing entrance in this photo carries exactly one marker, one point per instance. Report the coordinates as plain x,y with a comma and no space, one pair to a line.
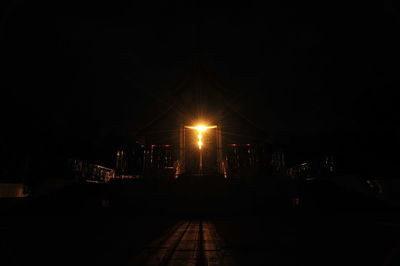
201,150
200,130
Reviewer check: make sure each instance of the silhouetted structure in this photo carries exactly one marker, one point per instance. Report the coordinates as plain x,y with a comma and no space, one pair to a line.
235,144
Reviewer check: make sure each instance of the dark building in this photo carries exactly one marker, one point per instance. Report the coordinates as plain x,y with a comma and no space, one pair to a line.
129,159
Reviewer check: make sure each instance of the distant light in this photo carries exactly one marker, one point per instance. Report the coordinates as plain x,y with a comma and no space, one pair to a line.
200,129
158,146
234,145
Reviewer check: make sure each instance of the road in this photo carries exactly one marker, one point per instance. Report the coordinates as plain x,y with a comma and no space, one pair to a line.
187,243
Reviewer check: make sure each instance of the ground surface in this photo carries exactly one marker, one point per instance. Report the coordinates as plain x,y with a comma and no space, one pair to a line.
201,223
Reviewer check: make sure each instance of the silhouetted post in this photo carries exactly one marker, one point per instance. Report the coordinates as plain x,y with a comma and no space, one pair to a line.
201,161
182,148
219,150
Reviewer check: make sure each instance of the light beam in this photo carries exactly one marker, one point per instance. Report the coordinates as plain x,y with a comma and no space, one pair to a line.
200,129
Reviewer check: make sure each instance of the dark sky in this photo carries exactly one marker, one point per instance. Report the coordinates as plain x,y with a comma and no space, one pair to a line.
324,71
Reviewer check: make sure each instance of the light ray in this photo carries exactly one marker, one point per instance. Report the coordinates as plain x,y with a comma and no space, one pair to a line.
200,129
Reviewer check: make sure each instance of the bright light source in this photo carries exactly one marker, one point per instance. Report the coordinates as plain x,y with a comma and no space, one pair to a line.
200,139
200,129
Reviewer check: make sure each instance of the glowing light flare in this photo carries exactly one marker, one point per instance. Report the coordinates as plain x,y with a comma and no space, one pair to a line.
200,140
200,129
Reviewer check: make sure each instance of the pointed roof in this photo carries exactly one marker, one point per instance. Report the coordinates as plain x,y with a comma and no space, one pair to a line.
202,95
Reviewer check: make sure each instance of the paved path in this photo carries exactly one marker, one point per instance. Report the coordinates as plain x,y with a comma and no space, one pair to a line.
187,243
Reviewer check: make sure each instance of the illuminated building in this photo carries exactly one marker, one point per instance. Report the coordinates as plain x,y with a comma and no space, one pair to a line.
192,136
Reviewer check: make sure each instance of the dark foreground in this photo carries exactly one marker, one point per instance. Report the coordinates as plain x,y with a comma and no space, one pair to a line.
201,222
193,242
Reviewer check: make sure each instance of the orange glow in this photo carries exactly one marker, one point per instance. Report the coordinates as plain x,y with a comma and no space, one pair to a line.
200,129
200,140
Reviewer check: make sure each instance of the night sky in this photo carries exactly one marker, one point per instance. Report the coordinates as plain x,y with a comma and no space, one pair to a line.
318,77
